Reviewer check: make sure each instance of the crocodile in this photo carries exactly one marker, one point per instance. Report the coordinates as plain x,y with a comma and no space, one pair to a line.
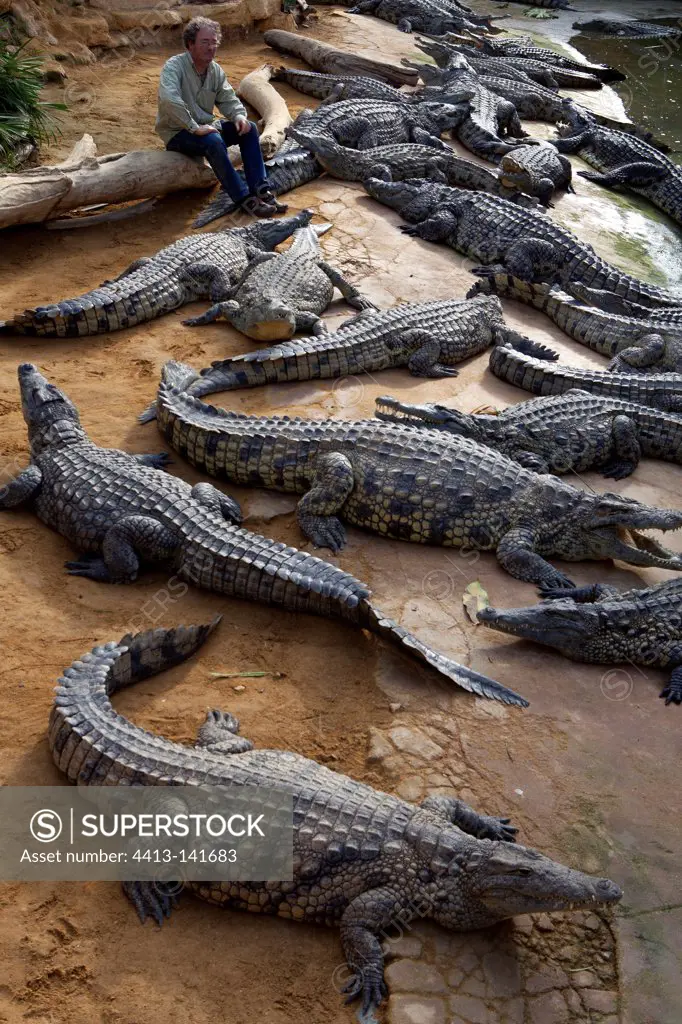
493,230
121,510
330,88
566,433
628,29
537,170
523,69
633,344
416,16
281,293
600,625
622,160
404,160
426,337
364,124
531,367
414,485
555,5
363,859
513,47
288,169
195,267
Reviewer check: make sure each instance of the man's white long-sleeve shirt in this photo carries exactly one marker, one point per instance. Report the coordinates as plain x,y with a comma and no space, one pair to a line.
185,101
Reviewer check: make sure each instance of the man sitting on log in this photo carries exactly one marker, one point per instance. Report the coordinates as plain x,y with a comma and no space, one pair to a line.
191,85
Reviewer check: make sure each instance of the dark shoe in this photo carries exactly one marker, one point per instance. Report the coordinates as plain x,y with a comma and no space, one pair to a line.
265,193
257,207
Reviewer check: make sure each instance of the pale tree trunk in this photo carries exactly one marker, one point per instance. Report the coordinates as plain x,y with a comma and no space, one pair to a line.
329,60
255,88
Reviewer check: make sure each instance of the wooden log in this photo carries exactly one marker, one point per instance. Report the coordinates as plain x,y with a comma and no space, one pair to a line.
328,59
42,193
256,89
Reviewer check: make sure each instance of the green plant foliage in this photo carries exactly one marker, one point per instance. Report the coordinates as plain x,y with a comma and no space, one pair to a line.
23,115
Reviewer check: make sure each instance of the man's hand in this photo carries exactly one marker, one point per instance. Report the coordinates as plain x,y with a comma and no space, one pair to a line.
205,129
242,125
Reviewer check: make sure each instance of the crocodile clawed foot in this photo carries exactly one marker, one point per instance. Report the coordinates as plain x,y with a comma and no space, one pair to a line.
440,370
618,470
550,592
91,568
410,229
560,581
152,899
371,986
671,694
497,829
325,532
157,460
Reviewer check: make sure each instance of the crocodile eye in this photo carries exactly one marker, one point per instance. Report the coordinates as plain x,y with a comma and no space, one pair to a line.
522,871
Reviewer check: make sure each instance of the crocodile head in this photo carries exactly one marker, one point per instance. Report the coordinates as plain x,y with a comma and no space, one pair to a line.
48,412
399,195
601,526
452,112
324,147
436,417
264,320
575,630
268,233
489,881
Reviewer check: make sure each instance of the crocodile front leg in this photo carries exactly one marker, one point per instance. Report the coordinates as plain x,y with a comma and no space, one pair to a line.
637,175
590,594
424,138
311,322
122,543
221,310
368,914
628,450
135,265
331,484
21,489
470,821
515,554
404,25
155,460
206,279
152,899
220,504
647,353
672,693
424,360
350,293
532,259
433,229
572,143
219,734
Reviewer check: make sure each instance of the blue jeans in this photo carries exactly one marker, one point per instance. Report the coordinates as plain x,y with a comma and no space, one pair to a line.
214,147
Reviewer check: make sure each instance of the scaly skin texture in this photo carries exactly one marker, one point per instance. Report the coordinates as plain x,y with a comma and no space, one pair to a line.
416,16
565,433
403,160
119,510
628,29
531,369
511,46
533,102
600,625
338,87
416,485
426,337
364,124
495,231
286,171
199,266
537,170
362,858
281,293
622,160
646,345
522,69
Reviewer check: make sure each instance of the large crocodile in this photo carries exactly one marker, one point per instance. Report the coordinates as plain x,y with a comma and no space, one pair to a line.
634,344
281,293
523,69
426,337
415,485
537,170
512,46
527,365
288,169
362,859
601,625
565,433
120,510
621,159
364,124
628,29
416,16
195,267
404,160
331,88
493,230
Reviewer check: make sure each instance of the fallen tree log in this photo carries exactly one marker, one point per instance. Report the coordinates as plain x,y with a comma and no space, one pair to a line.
328,59
255,88
43,193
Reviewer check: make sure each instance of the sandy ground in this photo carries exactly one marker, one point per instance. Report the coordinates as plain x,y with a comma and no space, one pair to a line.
586,772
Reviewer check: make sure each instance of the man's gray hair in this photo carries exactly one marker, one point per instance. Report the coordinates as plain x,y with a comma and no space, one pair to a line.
193,27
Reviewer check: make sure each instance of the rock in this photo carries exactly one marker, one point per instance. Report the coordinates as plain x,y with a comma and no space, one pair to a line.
600,1000
573,1002
415,1010
549,1009
548,977
503,975
582,979
378,747
239,689
411,789
471,1009
413,742
513,1012
406,945
474,987
414,976
455,978
395,707
544,923
592,922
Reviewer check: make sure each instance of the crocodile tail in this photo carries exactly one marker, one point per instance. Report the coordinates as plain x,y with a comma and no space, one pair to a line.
527,347
464,677
154,651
